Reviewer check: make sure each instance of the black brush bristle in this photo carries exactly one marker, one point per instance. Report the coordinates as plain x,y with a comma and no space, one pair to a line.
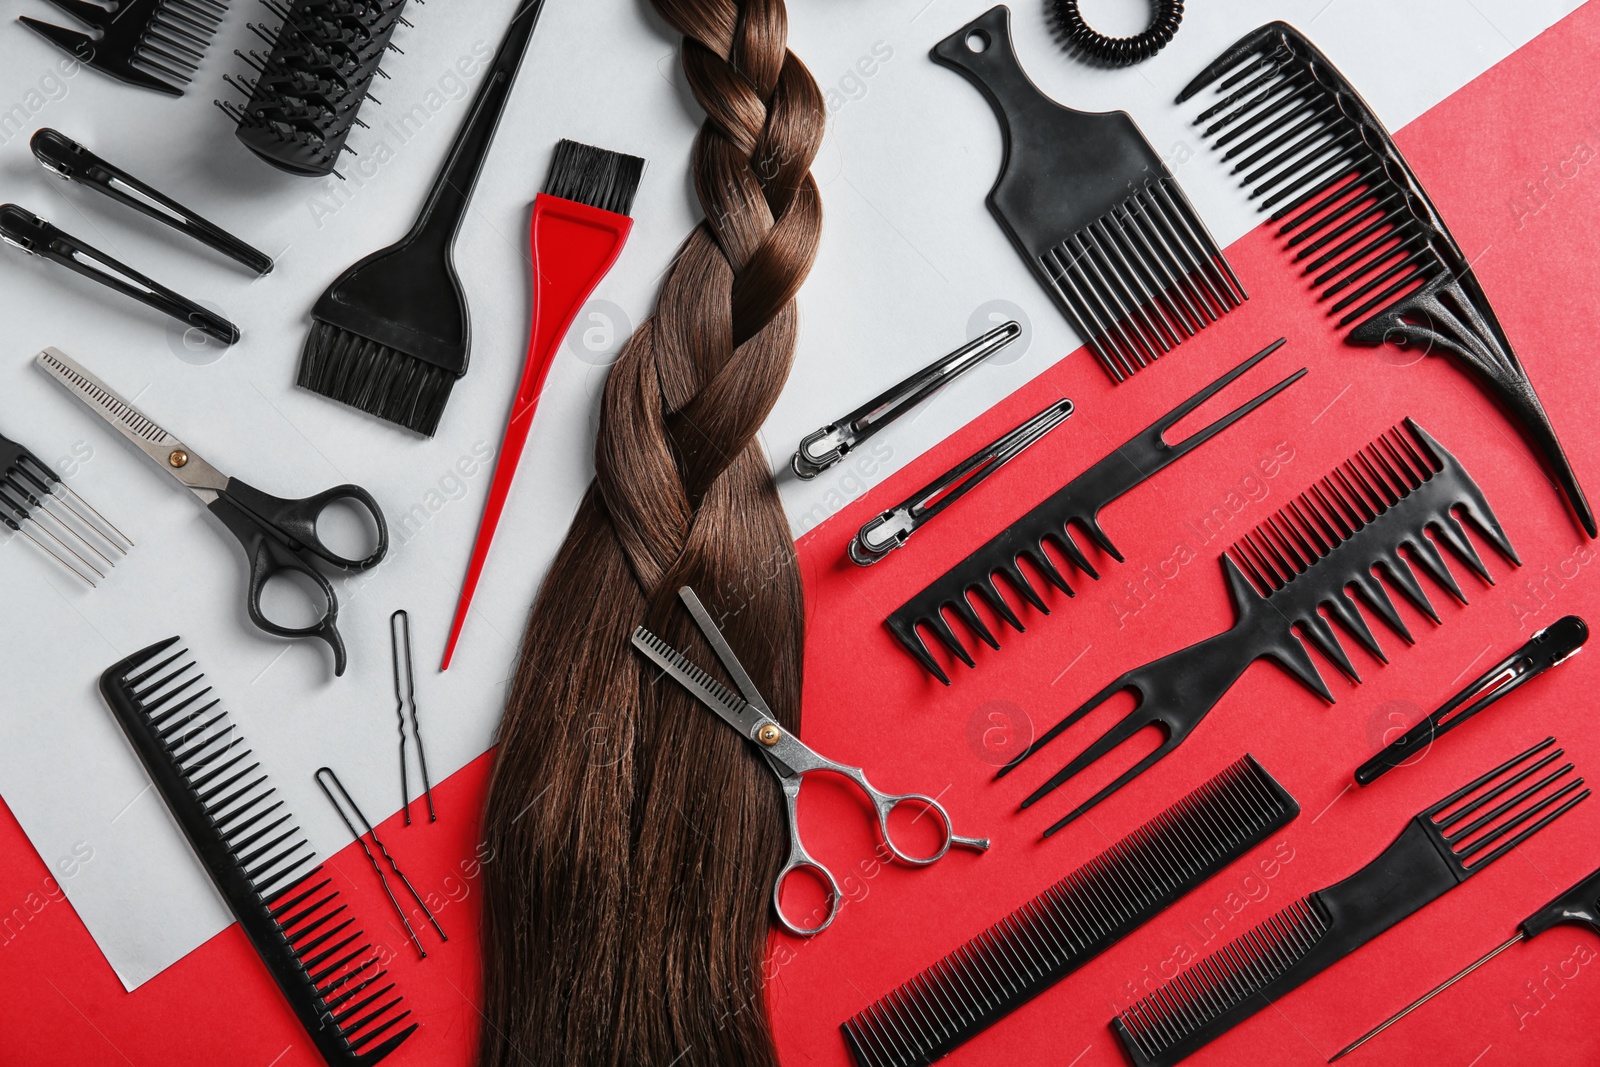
594,176
375,378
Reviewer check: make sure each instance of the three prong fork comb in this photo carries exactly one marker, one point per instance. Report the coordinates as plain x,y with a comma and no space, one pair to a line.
28,488
1311,150
1302,561
155,44
1440,848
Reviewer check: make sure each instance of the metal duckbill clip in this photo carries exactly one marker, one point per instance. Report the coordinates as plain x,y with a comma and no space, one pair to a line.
823,448
69,160
891,529
1555,644
34,235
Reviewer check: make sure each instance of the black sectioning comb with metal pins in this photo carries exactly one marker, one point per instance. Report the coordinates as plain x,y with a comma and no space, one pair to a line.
1094,212
1306,559
257,857
1440,848
154,44
34,500
1079,501
1314,153
1073,921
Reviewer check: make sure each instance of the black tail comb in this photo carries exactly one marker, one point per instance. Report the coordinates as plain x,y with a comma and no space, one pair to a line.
259,860
1442,847
1312,151
154,44
1079,501
1307,558
1073,921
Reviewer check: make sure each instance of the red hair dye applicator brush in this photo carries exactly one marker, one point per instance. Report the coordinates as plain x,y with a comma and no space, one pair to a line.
580,221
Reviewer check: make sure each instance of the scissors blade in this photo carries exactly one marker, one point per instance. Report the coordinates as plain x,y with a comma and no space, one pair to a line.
737,713
169,453
724,651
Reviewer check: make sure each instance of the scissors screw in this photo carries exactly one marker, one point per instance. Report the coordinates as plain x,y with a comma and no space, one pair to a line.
768,735
179,458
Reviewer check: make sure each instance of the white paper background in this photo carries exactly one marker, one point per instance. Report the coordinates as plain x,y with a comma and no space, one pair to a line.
910,266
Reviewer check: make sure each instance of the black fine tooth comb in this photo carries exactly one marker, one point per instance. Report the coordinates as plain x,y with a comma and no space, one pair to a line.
1312,151
259,860
1309,557
154,44
1439,849
1079,501
1094,212
1073,921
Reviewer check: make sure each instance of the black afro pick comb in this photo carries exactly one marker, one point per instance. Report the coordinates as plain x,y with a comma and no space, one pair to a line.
1308,558
1311,151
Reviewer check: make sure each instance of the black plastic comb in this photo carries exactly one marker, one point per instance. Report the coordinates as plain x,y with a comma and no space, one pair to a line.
1073,921
1079,501
1442,847
1094,212
154,44
259,860
1310,149
308,89
28,488
1307,558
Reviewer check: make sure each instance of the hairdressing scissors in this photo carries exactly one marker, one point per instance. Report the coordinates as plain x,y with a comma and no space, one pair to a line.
788,758
278,535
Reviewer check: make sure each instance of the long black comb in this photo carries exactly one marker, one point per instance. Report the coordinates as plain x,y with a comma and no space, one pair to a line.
259,860
1073,921
1079,501
154,44
1305,559
1439,849
1311,150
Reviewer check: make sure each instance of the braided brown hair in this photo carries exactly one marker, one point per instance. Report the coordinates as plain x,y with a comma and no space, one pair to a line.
634,837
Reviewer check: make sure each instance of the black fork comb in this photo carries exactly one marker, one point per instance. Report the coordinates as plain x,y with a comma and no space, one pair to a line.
1079,501
1439,849
259,860
155,44
1307,558
1312,151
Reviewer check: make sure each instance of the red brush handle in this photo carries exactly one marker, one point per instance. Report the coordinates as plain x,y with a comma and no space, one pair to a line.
573,246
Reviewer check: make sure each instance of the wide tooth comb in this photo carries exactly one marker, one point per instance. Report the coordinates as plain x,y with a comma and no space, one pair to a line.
1350,203
265,870
1304,559
1073,921
1078,502
154,44
1439,849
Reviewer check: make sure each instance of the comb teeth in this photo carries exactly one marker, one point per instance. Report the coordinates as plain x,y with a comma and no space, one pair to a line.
156,44
1476,833
258,857
37,504
174,41
1072,921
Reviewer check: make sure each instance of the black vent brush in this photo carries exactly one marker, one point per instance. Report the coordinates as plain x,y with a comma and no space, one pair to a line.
256,856
154,44
1094,212
1440,848
1073,921
391,335
1325,544
1313,153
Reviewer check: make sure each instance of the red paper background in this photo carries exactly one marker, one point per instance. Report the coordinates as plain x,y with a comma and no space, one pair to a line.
1532,119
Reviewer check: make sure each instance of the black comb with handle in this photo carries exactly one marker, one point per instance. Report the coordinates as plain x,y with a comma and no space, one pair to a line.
1314,153
1079,501
256,856
1304,560
1440,848
1073,921
1094,212
154,44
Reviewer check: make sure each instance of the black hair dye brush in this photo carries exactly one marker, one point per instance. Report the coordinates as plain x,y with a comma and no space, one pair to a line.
392,334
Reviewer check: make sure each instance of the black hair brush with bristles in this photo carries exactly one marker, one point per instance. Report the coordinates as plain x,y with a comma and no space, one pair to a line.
392,334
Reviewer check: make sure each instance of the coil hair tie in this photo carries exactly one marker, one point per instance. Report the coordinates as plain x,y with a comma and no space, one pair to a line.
1095,47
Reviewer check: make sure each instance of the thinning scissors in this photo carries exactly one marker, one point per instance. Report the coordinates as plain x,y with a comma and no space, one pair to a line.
278,535
789,759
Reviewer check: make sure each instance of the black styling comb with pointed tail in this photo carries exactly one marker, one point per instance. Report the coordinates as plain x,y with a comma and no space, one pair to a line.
1311,151
257,857
1440,848
1079,501
1307,558
1094,212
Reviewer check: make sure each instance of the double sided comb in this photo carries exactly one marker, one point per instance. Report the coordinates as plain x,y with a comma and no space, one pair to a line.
1440,848
28,489
258,858
1073,921
1312,151
1079,501
1304,560
155,44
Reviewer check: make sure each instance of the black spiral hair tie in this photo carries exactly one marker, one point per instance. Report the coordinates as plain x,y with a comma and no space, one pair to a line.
1079,38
